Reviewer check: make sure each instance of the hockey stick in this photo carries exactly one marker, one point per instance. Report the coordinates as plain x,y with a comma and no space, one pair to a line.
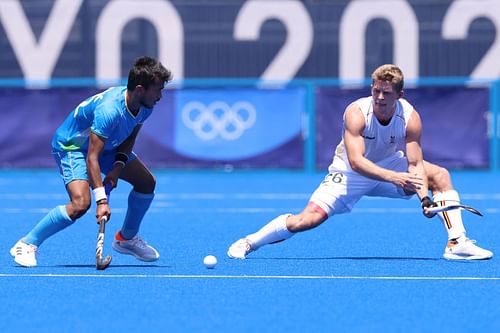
440,209
101,264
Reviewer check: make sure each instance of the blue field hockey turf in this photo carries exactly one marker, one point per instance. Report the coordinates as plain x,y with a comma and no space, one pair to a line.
378,269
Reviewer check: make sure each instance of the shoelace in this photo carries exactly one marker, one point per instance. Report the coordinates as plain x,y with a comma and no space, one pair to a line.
247,245
139,242
31,249
473,241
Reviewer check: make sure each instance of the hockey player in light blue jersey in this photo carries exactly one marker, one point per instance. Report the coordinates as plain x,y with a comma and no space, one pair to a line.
97,138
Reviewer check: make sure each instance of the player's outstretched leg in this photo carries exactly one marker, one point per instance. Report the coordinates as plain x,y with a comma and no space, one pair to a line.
273,232
24,251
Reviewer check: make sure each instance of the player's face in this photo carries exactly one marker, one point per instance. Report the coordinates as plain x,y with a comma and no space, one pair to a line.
384,99
153,94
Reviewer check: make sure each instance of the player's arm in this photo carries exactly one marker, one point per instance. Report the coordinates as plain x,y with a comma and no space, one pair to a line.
416,161
414,152
355,147
121,157
354,124
96,146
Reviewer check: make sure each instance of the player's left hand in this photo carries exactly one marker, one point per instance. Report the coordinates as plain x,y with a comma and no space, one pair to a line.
112,178
426,204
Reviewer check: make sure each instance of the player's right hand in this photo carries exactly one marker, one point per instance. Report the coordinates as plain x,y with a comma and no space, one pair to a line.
103,210
409,182
426,204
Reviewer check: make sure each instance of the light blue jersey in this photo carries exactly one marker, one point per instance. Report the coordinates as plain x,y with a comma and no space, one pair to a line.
106,115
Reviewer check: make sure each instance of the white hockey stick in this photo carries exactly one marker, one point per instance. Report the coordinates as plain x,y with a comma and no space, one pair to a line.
440,209
100,262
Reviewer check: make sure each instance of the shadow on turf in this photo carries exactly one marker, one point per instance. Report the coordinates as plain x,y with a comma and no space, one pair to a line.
114,266
352,258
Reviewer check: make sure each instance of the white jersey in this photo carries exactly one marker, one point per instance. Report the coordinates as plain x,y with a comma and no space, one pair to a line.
381,141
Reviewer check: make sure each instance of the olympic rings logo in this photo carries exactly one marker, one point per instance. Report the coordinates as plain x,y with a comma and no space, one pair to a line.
219,119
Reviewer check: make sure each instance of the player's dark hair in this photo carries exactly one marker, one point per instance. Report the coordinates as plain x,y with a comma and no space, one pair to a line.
145,71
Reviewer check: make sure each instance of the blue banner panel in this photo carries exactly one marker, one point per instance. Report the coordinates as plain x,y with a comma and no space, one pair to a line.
230,126
188,128
29,119
454,123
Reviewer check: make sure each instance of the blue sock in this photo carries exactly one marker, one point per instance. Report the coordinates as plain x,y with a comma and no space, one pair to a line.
138,205
56,220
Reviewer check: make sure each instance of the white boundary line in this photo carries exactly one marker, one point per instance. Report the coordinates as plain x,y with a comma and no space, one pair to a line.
229,210
271,277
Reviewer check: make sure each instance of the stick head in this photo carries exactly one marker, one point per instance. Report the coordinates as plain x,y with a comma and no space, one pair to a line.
103,264
473,210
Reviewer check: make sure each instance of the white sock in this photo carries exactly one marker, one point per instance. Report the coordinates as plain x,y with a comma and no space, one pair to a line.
452,219
274,231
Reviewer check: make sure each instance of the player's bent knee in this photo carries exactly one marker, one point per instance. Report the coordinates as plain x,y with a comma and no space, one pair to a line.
152,184
304,222
147,185
78,208
440,179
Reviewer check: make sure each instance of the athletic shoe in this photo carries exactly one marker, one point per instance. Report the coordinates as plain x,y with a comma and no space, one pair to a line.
465,249
240,249
24,254
136,247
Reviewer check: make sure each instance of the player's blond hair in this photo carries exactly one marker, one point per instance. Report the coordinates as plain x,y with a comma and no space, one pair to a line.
390,73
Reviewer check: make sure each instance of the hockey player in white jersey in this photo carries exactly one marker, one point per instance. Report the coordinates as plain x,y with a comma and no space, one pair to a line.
368,162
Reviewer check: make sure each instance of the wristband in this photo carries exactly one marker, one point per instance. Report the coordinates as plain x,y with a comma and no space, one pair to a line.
119,163
427,202
99,193
121,157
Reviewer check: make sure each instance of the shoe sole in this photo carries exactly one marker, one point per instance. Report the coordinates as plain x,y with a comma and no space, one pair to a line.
235,257
449,256
123,250
24,264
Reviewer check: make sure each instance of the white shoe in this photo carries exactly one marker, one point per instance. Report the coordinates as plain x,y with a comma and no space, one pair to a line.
240,249
137,247
465,249
24,254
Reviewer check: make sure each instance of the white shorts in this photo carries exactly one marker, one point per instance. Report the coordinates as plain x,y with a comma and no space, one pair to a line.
342,187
